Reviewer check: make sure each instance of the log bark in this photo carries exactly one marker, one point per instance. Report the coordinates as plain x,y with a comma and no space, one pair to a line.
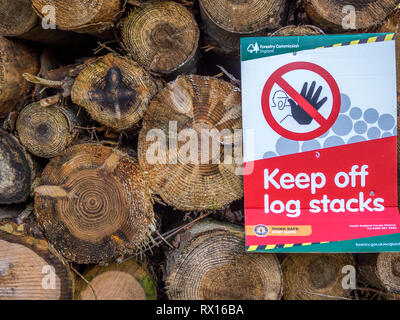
314,276
93,204
114,90
181,168
381,270
15,59
30,270
225,21
47,131
17,170
210,264
125,281
86,16
328,14
162,37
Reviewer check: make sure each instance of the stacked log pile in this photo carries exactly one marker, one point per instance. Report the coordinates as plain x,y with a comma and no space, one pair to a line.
104,192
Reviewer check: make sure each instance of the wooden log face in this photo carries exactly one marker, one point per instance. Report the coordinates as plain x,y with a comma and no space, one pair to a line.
16,170
388,271
244,16
82,15
314,276
12,24
161,36
93,204
328,13
114,90
213,266
15,59
116,281
201,181
44,131
30,271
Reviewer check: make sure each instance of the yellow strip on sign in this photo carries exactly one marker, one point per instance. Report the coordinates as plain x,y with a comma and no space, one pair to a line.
252,248
270,247
288,246
306,244
354,42
373,39
389,37
337,45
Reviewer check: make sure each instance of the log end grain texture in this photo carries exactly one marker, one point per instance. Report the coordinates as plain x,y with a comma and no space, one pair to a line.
16,17
381,270
225,21
16,170
93,204
162,37
176,168
15,59
315,276
210,263
114,90
30,270
330,14
125,281
84,16
45,131
305,30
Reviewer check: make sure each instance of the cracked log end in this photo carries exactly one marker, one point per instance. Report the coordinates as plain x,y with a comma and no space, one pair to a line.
93,204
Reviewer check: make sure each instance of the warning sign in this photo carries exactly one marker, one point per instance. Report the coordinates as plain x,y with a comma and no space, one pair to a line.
304,107
320,137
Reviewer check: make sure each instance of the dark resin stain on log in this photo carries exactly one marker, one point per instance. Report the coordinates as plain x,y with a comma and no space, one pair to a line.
116,95
114,90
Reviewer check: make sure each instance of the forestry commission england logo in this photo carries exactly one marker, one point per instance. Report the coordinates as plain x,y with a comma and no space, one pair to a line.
253,48
261,230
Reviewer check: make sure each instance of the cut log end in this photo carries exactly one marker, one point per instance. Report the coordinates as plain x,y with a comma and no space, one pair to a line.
314,276
92,206
163,37
12,24
44,131
16,170
114,90
188,176
306,30
211,264
331,16
78,16
29,270
15,59
126,281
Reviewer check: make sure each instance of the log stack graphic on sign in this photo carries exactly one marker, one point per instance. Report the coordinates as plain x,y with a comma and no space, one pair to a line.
320,135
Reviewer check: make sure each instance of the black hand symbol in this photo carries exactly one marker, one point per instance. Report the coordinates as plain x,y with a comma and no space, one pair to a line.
298,113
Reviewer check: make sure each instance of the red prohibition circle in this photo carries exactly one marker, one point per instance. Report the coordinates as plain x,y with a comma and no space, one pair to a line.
276,78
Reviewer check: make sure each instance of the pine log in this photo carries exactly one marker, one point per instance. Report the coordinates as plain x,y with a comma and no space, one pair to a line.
162,37
381,270
114,90
30,270
15,59
210,264
225,21
314,276
328,14
93,204
82,16
125,281
17,170
18,19
392,23
304,30
179,165
47,131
